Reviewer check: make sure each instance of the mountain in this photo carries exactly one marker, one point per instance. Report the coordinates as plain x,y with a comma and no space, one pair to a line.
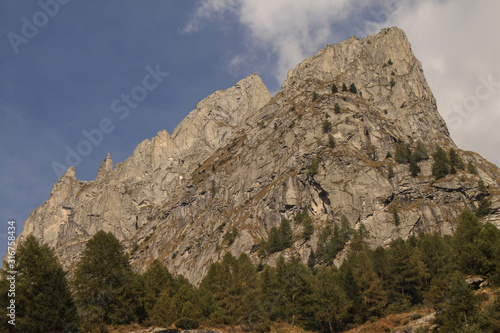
243,160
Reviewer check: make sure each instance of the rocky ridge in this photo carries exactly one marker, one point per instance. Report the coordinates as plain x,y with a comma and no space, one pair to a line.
241,162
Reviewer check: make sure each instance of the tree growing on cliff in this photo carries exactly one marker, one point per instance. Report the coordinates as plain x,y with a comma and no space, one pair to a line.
440,167
334,89
420,153
353,89
402,154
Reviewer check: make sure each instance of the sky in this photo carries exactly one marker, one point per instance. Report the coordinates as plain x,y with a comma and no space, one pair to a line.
79,79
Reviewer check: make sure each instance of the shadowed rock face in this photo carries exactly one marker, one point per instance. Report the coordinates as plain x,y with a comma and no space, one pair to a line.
241,160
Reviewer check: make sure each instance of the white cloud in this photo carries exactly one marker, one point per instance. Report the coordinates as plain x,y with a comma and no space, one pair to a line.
457,42
210,10
291,29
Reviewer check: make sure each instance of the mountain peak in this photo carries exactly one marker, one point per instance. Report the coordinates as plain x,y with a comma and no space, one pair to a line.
241,162
385,73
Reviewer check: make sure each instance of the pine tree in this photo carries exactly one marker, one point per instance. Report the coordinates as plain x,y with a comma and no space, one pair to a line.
482,186
344,87
332,240
326,126
460,306
471,168
420,152
314,167
295,281
402,154
230,283
286,234
104,282
372,293
334,89
440,167
271,291
390,172
465,243
394,211
408,274
414,168
333,304
484,207
163,312
436,254
336,108
353,89
43,299
155,283
311,261
308,229
187,307
275,241
455,160
488,243
331,141
381,263
345,229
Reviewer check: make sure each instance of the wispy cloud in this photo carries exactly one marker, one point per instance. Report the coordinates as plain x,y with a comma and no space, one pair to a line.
457,41
290,29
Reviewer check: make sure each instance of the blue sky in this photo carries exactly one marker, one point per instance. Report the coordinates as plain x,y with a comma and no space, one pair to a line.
64,64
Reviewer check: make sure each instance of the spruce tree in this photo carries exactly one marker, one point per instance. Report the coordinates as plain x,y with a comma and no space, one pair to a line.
326,126
344,87
275,242
471,168
43,299
373,295
104,283
488,243
336,108
311,261
414,168
390,172
333,303
465,243
295,282
163,312
420,152
308,229
408,274
455,159
331,141
402,154
334,89
440,166
154,283
460,306
286,234
353,89
436,254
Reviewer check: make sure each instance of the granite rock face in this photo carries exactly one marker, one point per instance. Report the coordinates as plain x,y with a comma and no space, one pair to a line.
241,162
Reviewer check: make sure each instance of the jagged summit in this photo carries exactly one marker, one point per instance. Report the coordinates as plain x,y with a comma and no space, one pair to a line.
387,75
243,160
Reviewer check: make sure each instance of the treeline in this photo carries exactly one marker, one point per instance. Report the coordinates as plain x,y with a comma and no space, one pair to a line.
428,269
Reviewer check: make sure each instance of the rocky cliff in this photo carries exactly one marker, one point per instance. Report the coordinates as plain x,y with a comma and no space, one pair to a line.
241,162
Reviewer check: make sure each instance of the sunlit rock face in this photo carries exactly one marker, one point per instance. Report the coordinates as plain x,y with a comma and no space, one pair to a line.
241,161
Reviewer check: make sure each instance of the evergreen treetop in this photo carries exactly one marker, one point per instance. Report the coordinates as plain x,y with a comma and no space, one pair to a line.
353,89
44,302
